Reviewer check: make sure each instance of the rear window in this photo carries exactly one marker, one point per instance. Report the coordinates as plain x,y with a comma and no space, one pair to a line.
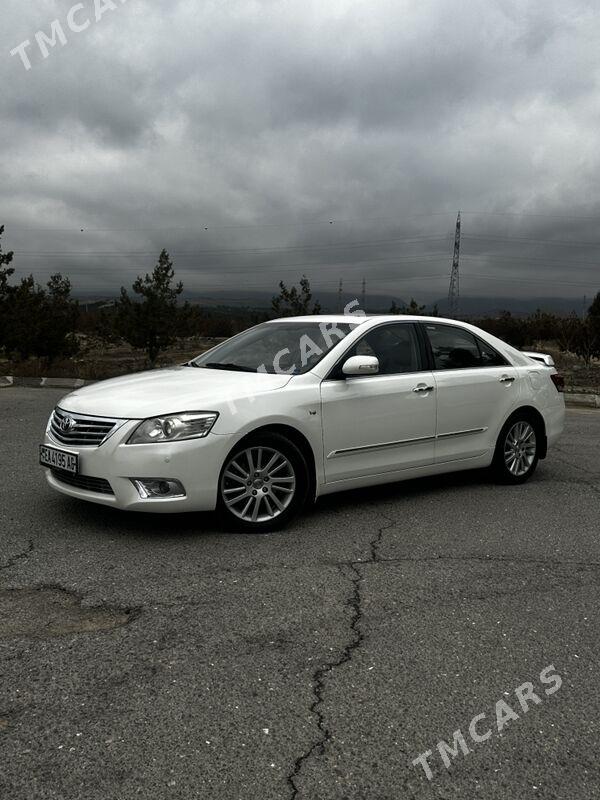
457,348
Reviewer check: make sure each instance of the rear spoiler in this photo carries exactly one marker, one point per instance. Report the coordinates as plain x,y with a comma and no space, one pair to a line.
543,358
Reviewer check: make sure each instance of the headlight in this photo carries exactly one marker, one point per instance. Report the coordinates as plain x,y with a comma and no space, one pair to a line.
174,427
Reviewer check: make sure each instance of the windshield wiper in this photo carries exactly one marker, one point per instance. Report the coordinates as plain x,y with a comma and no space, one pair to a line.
231,366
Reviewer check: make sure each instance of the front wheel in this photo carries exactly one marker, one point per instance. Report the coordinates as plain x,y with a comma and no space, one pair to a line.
517,451
263,484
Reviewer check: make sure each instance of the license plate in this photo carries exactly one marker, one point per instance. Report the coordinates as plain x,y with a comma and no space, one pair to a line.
59,459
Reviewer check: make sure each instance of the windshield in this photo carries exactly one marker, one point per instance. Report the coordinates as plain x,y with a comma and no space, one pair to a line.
289,348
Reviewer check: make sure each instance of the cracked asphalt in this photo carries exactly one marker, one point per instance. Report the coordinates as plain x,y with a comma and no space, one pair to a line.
158,657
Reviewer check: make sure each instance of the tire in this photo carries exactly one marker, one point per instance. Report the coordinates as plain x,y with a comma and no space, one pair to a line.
268,496
517,450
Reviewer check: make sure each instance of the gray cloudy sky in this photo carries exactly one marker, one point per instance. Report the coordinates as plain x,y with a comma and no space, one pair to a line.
232,132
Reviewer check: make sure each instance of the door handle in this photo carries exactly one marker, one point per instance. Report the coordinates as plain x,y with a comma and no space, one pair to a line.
507,379
419,389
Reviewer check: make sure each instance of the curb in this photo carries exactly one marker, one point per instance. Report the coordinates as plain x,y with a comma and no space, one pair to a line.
47,383
582,400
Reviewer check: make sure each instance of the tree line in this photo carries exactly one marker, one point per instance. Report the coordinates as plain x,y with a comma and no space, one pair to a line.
44,321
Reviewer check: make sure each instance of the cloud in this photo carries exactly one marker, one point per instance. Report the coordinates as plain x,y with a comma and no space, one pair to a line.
248,125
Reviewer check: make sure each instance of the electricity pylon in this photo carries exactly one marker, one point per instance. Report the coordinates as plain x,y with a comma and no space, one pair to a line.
454,289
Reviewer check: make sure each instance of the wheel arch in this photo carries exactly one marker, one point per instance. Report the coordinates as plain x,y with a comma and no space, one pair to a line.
296,437
537,420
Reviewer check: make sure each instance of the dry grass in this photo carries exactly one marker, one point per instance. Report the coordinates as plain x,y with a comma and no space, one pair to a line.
578,377
97,361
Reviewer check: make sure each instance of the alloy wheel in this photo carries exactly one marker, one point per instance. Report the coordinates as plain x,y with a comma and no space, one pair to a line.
520,448
258,484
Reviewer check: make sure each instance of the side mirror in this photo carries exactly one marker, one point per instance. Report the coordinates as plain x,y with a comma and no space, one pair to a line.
361,365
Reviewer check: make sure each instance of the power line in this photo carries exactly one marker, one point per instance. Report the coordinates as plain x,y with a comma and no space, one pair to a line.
334,282
249,250
585,266
479,276
204,226
567,243
434,255
211,227
529,214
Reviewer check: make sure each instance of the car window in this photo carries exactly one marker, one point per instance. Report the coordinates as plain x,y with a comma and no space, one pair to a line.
489,356
453,348
395,346
290,348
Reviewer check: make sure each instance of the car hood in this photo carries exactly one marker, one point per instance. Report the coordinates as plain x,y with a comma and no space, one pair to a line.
166,391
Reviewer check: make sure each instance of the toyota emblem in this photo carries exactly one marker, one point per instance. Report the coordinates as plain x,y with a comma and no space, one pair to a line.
67,424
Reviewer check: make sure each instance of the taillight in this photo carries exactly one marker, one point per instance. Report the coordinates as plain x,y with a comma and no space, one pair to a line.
558,381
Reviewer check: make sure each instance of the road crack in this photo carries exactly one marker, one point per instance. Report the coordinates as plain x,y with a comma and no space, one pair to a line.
14,560
320,676
354,602
375,543
319,679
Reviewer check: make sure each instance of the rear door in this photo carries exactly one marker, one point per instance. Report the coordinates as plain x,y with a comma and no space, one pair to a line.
373,424
476,390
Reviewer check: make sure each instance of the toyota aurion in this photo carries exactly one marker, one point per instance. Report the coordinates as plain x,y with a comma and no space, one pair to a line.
295,408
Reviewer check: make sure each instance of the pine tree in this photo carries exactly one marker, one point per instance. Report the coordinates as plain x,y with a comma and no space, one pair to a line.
150,323
294,303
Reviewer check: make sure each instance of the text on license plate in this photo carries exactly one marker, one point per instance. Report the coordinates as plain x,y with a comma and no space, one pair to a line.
59,459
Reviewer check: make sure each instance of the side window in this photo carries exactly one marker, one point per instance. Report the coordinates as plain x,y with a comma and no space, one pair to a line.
395,346
453,348
362,348
489,356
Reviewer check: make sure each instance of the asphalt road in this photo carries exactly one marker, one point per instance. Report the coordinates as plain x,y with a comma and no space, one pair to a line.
157,657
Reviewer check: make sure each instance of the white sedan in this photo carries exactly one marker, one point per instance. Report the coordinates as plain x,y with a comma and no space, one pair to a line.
296,408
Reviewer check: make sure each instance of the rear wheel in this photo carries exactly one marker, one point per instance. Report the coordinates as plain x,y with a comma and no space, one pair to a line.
517,450
263,484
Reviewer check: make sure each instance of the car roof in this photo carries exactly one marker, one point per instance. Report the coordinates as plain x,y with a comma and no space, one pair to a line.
359,319
348,318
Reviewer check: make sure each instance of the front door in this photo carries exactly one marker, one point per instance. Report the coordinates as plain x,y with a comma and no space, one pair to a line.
374,424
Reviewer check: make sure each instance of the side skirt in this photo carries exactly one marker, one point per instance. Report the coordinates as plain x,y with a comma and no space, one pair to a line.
478,462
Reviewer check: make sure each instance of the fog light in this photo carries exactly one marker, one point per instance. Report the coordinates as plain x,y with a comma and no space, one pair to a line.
158,488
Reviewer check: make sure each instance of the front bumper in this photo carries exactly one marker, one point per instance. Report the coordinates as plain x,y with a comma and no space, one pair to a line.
195,463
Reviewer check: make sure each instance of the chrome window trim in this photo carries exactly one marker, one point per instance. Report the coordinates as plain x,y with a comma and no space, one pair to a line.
486,366
498,353
478,339
414,323
350,378
402,442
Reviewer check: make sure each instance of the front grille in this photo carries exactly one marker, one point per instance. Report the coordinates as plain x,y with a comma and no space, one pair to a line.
89,484
83,430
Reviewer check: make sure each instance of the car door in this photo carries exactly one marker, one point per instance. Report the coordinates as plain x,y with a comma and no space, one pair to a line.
476,389
380,423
